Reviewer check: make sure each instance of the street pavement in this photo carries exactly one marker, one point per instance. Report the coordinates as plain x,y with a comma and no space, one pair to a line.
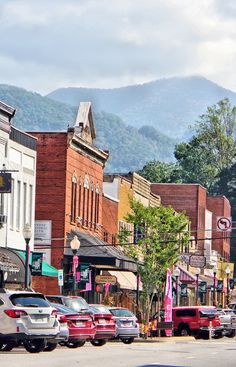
156,352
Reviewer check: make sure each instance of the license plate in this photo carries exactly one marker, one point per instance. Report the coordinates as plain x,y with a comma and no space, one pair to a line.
41,319
101,321
129,324
79,323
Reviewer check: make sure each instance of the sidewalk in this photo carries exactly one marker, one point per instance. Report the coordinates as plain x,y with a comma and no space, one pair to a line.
161,339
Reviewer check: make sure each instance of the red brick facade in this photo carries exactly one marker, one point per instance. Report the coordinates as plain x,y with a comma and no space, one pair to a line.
193,199
68,192
220,207
110,219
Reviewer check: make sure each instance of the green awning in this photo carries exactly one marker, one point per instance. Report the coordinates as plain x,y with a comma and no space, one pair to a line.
47,269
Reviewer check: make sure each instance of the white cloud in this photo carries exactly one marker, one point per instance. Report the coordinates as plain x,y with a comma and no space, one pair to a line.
107,43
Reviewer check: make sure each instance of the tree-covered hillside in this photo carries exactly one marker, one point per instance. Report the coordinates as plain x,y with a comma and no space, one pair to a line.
129,147
169,105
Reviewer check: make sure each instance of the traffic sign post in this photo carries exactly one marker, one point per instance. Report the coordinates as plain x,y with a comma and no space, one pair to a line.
224,224
60,277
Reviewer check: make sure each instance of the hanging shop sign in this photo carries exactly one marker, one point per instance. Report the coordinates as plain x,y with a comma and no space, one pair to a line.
202,287
36,264
106,279
219,286
5,183
183,290
197,261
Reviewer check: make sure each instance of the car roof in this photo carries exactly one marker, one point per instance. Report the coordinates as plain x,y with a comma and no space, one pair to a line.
195,307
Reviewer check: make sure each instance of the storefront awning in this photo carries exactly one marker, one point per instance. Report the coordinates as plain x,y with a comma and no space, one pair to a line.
47,269
126,279
97,252
185,276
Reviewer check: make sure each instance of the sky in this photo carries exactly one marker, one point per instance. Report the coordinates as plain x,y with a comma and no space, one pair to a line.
49,44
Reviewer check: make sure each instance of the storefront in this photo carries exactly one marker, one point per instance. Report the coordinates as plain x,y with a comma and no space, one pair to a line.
12,269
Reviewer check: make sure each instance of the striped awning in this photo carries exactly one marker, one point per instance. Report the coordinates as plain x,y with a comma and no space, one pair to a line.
185,276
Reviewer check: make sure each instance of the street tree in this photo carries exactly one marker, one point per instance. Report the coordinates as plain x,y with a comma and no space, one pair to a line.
157,171
212,149
160,235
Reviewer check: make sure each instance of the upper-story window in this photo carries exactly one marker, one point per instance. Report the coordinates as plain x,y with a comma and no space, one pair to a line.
73,198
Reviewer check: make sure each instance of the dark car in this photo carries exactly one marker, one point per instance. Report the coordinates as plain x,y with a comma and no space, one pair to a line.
81,326
105,325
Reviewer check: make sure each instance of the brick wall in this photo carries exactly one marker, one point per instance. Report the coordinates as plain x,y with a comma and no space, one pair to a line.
220,207
110,217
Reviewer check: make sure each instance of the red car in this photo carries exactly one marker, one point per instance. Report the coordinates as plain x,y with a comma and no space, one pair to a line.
105,325
81,326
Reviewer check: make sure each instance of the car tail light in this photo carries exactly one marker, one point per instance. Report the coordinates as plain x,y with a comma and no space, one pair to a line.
63,319
15,313
54,313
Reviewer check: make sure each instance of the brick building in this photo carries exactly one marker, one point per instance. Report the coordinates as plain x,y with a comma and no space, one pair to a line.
202,211
69,185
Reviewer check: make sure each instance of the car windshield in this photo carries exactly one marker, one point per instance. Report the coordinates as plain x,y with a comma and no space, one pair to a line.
62,309
100,309
121,312
208,313
77,304
29,300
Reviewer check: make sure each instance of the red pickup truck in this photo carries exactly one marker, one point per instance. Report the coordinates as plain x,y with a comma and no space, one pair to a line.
198,321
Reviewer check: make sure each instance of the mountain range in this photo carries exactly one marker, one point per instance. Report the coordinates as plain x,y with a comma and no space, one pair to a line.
136,123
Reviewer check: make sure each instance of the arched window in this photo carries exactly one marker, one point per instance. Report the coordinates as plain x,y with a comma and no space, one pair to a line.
85,216
73,197
92,206
96,206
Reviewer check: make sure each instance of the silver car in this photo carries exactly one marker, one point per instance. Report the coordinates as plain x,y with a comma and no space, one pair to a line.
127,327
228,321
28,318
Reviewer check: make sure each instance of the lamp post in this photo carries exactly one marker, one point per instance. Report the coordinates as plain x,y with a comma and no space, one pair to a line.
177,274
75,245
197,272
227,270
27,233
214,285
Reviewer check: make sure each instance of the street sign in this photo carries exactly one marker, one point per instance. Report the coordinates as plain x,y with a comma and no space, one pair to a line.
197,261
105,279
224,224
60,277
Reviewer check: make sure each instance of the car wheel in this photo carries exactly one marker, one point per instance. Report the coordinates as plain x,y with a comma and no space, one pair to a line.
127,340
50,347
7,347
230,334
34,346
184,331
98,342
75,344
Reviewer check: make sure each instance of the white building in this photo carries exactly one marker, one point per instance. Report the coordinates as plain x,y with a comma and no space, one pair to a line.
17,157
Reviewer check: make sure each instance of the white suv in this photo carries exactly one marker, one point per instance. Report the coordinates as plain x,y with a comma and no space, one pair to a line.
26,317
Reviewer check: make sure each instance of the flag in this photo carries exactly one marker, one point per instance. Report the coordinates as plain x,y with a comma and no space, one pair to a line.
168,300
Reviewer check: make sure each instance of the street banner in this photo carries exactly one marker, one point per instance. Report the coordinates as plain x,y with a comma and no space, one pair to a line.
36,263
5,183
168,300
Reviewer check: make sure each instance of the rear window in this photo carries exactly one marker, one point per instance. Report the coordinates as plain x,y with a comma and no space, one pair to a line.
29,300
100,309
182,313
77,304
121,312
63,309
207,313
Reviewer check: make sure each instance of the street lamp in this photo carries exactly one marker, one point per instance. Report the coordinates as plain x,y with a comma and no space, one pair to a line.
227,270
197,272
177,274
27,233
214,285
75,245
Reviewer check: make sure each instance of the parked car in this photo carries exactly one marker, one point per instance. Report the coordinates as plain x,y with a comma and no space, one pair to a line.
127,327
198,321
232,306
28,318
105,325
228,321
80,325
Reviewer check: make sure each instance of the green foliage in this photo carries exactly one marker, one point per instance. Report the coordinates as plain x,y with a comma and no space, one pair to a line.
129,148
162,234
156,171
212,149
